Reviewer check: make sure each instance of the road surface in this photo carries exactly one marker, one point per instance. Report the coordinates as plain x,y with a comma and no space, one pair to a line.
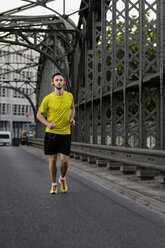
87,216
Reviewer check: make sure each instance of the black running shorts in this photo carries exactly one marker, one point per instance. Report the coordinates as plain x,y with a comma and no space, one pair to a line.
57,143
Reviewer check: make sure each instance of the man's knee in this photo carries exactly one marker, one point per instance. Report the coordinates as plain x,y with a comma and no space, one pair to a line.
53,158
64,159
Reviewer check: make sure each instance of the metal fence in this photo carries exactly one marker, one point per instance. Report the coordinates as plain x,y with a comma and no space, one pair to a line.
120,100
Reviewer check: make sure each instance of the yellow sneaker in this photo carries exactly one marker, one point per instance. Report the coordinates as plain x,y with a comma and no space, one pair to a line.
64,186
53,189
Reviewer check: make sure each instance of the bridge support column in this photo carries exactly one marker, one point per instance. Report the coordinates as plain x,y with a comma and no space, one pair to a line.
162,63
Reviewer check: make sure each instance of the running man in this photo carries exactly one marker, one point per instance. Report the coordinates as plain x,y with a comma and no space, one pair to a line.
59,107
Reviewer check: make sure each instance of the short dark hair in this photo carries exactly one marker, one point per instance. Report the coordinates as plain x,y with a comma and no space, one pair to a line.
57,74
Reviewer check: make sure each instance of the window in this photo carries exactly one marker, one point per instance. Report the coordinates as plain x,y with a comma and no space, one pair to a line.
4,92
14,109
23,110
27,109
20,109
4,136
3,73
15,94
3,108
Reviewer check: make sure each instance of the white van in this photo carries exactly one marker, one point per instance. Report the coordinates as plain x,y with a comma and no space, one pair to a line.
5,138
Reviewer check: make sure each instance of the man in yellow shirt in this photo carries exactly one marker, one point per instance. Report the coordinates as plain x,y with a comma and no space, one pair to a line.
59,106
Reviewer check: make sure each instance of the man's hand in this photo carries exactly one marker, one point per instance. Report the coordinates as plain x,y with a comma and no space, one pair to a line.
51,125
72,122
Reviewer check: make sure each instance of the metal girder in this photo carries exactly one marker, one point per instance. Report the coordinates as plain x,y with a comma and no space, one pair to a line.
37,33
54,36
121,85
17,67
24,7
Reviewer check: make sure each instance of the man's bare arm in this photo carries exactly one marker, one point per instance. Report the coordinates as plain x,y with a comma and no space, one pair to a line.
42,119
72,115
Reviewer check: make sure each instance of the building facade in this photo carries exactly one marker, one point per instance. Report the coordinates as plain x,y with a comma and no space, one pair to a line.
18,76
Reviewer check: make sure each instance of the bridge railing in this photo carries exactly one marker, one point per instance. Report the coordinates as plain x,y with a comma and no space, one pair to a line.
145,158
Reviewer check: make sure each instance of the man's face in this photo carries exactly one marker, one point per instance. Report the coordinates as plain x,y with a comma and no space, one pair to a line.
58,82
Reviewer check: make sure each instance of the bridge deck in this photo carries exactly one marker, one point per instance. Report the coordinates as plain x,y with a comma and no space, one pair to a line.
147,192
89,215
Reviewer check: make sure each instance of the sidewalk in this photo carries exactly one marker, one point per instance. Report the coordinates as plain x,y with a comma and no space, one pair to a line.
147,192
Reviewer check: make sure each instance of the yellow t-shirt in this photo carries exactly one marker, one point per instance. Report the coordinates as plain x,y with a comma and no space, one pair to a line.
58,111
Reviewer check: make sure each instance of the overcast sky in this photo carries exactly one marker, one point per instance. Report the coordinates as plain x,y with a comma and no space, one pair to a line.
70,7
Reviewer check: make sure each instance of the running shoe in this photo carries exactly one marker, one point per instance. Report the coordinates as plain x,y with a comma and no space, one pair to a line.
53,189
64,187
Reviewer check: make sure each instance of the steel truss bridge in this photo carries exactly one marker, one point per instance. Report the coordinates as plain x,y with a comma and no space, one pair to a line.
113,62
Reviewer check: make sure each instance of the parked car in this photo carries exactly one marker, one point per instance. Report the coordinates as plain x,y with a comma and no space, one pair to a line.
5,138
28,131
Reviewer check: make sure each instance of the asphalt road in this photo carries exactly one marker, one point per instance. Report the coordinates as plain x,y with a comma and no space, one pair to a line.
87,216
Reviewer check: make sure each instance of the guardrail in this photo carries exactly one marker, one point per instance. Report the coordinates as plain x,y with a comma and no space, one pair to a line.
36,142
153,159
147,158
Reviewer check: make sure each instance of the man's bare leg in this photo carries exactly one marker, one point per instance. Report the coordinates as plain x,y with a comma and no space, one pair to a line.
52,167
63,164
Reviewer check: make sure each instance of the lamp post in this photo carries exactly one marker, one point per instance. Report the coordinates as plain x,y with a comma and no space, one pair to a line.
27,119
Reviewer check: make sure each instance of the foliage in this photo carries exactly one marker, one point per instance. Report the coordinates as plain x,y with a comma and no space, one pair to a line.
133,41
